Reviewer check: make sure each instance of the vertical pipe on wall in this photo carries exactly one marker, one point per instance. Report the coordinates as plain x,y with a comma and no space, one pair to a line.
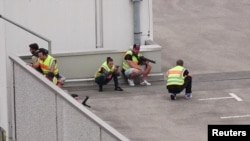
137,23
98,23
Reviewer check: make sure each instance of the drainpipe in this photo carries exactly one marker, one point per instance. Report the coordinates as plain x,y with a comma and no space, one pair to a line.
137,24
99,23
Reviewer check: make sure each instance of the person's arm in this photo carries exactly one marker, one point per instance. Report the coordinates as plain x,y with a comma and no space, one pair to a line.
36,64
105,72
52,67
116,70
185,73
132,64
34,59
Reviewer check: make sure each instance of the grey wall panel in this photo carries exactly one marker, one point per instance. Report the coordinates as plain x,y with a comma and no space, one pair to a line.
107,137
45,112
60,121
34,107
74,125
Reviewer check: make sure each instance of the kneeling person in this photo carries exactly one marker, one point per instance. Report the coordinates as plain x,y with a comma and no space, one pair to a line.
178,79
106,72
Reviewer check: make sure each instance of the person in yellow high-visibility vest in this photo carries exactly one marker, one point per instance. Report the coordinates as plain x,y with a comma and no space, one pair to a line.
49,67
106,72
132,67
178,79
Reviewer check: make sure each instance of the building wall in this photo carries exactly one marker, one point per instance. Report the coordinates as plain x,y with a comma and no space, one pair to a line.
71,25
45,112
75,26
3,77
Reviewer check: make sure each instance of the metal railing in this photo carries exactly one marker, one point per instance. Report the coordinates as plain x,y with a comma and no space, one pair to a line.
29,31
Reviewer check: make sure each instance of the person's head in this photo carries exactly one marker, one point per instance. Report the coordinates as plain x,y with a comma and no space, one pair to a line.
136,48
43,53
75,96
179,62
110,62
33,47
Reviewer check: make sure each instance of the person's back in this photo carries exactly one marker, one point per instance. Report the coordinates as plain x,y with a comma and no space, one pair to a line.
178,79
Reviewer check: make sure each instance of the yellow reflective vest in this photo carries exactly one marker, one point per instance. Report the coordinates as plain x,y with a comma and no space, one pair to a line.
54,79
106,67
46,65
175,76
125,65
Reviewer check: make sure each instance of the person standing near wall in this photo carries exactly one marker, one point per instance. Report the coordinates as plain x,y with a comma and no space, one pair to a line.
178,79
106,72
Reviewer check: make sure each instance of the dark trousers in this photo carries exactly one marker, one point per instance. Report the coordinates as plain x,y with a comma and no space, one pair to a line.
103,80
179,88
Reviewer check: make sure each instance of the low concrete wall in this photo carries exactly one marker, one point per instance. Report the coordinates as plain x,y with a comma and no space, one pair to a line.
84,65
45,112
79,68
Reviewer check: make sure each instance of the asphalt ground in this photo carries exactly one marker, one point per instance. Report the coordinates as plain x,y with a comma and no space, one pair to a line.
146,113
212,37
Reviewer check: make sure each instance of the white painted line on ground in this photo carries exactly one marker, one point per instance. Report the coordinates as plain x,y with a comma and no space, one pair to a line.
235,96
235,116
231,94
216,98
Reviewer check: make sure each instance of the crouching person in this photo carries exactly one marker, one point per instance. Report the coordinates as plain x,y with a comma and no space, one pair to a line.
178,79
49,66
106,72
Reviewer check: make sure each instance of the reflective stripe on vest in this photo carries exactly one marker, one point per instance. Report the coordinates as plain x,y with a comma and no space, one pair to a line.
175,76
106,67
125,65
46,65
54,79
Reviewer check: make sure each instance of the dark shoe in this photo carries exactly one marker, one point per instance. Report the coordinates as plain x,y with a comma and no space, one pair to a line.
118,89
173,96
100,88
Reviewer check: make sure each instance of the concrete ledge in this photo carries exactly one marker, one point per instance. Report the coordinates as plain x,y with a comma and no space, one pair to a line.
221,76
89,82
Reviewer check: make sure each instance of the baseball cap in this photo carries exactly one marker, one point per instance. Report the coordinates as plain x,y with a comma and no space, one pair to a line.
136,46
